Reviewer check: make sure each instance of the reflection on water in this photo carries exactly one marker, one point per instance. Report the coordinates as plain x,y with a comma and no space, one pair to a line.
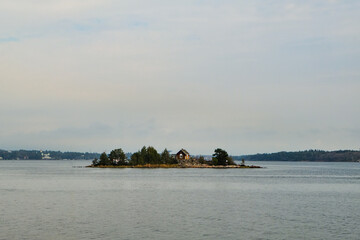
53,200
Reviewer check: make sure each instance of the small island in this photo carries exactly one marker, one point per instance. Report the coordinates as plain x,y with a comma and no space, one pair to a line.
148,157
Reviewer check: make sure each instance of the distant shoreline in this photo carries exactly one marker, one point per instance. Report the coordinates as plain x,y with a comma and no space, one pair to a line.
305,156
297,156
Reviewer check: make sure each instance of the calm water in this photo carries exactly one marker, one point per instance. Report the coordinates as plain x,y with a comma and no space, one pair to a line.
52,200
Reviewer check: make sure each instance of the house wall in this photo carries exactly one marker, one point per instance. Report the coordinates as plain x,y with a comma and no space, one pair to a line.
181,155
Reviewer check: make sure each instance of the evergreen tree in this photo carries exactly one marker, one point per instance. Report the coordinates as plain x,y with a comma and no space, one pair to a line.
104,160
152,156
230,161
165,157
95,162
117,156
137,159
220,157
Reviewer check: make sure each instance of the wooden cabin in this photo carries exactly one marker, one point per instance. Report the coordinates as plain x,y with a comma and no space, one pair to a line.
182,155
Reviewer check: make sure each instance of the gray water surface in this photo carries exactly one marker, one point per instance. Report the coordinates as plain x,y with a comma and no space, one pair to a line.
291,200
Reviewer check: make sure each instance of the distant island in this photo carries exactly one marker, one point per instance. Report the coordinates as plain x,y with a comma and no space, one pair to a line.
45,155
148,157
309,156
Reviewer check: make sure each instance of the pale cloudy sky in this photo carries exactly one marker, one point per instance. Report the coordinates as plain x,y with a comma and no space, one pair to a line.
246,76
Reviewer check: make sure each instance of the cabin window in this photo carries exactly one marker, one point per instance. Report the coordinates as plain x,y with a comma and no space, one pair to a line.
181,156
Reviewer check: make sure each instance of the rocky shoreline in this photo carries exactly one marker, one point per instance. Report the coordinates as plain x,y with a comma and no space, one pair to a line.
177,166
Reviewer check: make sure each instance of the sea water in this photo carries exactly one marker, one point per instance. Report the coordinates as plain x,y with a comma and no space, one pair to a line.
285,200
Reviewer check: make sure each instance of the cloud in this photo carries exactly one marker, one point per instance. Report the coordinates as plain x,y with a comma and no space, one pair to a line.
249,76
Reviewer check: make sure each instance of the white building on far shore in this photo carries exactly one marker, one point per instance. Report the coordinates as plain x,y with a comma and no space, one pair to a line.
45,156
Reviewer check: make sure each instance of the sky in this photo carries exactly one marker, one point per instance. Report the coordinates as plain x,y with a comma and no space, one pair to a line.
246,76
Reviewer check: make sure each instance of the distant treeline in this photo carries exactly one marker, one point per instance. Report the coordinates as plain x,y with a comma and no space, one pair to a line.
50,155
309,155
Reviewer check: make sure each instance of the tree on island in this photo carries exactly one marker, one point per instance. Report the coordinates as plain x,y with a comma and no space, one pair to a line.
166,158
104,160
221,157
136,159
147,155
152,156
95,162
118,157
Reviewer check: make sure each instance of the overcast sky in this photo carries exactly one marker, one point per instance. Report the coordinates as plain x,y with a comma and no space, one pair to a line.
246,76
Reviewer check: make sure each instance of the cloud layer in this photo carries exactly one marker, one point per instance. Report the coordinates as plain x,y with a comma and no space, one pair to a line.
246,76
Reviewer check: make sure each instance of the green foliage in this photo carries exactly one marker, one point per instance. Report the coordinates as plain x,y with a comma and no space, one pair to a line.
147,155
104,160
152,156
230,161
118,157
143,153
95,162
137,159
214,161
166,158
220,157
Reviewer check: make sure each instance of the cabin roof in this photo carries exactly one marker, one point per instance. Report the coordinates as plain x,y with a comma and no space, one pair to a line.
184,151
